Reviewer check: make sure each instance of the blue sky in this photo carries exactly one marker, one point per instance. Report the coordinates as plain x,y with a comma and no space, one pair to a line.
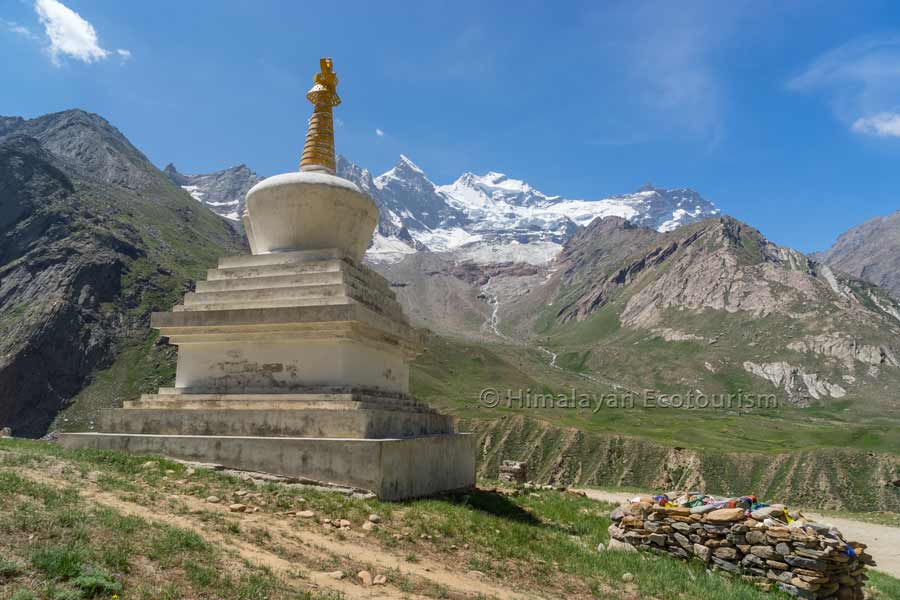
787,118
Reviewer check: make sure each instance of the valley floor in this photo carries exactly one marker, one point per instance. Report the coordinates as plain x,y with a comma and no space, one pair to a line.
94,525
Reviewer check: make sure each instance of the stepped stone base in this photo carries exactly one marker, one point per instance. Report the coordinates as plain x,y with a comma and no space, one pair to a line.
393,469
331,423
297,364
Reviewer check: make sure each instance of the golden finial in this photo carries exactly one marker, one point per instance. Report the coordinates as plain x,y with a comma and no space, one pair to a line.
318,152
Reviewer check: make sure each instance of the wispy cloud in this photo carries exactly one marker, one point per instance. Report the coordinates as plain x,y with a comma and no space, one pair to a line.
379,132
71,35
16,28
670,57
881,125
861,80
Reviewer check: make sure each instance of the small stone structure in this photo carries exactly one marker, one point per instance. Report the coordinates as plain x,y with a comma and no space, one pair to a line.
805,559
514,471
294,360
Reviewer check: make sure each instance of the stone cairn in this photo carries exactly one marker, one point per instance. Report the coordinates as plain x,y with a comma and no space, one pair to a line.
764,544
514,471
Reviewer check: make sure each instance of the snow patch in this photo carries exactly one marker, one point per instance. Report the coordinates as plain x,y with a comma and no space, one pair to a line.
486,253
442,240
194,191
387,249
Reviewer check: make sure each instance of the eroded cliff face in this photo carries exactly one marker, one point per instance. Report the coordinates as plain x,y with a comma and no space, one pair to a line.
827,478
55,277
90,243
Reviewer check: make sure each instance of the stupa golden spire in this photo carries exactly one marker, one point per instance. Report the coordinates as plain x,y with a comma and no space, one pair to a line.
318,151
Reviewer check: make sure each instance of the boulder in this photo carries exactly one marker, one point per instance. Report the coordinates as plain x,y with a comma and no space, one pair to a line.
769,512
725,565
805,563
671,510
725,553
725,515
615,545
764,552
755,537
701,552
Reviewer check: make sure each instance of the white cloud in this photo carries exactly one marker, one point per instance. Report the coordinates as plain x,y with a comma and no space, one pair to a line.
379,132
882,125
125,55
861,80
671,56
17,29
70,35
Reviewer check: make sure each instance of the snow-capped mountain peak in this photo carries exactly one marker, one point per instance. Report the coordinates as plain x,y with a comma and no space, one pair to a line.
480,213
405,172
481,190
407,163
488,217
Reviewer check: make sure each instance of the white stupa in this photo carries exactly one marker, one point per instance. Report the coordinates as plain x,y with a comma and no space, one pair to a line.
294,360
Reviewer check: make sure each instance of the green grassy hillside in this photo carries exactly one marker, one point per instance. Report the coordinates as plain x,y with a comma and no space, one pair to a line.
98,525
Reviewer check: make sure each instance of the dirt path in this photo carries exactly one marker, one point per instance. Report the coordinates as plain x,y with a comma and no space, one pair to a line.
883,541
311,544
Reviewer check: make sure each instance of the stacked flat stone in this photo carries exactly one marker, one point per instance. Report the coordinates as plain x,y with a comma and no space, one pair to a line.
805,559
514,471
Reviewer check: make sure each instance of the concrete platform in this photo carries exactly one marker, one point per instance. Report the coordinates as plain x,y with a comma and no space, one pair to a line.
308,398
315,423
394,469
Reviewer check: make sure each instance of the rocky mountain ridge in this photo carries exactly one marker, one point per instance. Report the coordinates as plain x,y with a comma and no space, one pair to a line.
761,316
870,251
478,215
223,192
92,238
